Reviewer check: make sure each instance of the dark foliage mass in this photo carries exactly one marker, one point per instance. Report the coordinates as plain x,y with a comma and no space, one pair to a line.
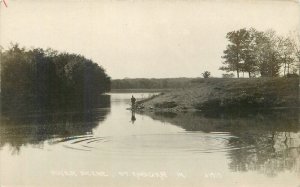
45,80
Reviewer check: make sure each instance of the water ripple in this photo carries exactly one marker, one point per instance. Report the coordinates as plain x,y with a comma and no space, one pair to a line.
152,145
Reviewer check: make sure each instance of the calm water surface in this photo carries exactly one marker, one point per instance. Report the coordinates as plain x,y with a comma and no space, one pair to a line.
111,146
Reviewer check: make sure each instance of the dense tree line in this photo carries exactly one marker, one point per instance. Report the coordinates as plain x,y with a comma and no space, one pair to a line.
261,53
43,80
142,83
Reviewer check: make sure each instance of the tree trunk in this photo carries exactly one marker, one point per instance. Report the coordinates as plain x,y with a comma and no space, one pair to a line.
237,74
249,73
284,69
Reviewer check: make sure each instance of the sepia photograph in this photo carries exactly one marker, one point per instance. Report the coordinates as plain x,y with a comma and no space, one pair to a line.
149,93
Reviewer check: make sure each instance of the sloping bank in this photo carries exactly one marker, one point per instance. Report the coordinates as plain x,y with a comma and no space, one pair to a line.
227,94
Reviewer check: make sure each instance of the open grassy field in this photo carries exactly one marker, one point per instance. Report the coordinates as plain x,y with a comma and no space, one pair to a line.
227,94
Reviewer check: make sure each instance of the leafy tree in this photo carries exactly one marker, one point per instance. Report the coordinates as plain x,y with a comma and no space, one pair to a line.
286,52
248,53
237,54
268,52
295,38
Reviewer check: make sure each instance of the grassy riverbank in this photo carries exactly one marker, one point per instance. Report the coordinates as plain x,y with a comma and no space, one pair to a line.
228,94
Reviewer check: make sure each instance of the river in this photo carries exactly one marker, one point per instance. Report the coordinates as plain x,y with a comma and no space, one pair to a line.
111,146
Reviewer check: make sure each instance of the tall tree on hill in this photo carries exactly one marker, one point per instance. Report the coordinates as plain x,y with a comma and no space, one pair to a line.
238,54
268,60
286,53
248,53
295,38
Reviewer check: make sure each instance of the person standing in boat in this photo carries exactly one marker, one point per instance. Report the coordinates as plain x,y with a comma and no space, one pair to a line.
133,102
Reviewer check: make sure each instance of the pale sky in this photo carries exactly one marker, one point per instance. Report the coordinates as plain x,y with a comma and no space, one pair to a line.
142,38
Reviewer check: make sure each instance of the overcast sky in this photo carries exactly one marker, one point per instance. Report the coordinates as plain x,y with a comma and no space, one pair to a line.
142,38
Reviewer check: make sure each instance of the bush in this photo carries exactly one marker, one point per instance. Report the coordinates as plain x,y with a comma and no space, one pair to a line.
243,101
171,104
292,75
206,74
225,75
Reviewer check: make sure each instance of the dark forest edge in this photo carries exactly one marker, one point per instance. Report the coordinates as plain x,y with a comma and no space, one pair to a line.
46,80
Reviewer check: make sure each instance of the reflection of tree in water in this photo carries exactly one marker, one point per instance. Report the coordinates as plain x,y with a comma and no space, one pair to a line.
270,145
18,131
268,142
267,152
